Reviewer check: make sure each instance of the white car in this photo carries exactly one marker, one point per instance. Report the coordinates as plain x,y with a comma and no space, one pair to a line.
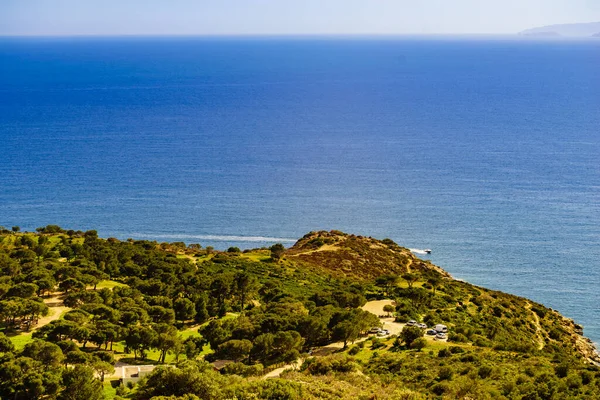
412,322
383,332
440,336
422,326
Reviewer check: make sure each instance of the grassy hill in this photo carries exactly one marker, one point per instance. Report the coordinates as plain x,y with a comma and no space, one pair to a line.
144,302
358,257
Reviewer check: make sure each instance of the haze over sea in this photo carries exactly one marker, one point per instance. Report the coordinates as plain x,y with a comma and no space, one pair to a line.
485,150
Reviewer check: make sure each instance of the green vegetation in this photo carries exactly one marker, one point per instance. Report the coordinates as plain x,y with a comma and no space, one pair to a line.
181,307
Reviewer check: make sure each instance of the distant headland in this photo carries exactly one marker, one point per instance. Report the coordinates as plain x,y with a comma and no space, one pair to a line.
591,29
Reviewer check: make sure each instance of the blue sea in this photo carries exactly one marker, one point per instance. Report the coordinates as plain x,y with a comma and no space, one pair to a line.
486,150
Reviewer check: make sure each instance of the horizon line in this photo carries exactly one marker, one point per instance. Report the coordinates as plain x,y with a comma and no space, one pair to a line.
256,34
309,35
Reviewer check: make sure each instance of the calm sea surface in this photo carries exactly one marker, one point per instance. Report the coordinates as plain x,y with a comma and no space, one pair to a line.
486,151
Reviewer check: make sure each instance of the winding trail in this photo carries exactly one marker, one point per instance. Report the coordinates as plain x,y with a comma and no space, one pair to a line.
538,327
55,313
278,371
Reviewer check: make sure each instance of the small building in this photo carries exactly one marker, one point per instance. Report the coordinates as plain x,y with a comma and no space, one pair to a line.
133,373
220,364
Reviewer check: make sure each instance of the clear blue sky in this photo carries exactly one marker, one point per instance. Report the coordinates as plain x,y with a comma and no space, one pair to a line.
215,17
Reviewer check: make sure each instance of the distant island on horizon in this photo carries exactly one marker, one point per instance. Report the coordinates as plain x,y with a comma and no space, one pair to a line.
590,29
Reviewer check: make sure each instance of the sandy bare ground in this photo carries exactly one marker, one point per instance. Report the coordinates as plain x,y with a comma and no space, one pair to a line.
53,300
54,314
376,306
394,327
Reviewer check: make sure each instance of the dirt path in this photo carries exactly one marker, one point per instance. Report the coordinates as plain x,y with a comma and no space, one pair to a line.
538,327
277,372
54,314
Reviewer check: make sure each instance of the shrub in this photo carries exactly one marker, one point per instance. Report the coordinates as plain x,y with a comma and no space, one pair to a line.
325,365
457,338
445,352
402,318
484,371
121,390
445,374
440,388
586,377
561,370
555,334
469,358
419,344
242,369
574,381
480,341
541,312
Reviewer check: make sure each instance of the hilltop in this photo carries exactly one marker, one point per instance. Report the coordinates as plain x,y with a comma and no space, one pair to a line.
347,255
76,308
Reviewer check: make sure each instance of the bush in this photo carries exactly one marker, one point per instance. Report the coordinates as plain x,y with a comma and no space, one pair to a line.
411,333
480,341
484,371
121,390
419,344
457,338
574,381
555,334
469,358
445,374
440,388
541,312
242,369
325,365
354,350
402,318
377,344
586,377
445,352
561,370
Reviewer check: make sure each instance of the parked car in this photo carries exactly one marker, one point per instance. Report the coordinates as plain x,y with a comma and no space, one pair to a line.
422,326
412,322
383,332
375,330
440,336
432,332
